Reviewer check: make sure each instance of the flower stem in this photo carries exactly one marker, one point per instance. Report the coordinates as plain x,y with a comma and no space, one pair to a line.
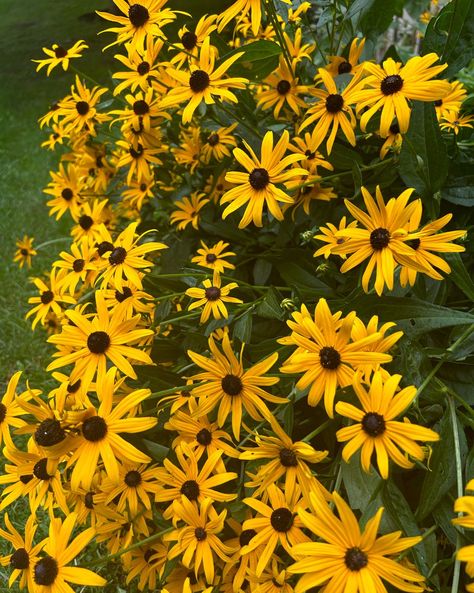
52,241
457,454
272,15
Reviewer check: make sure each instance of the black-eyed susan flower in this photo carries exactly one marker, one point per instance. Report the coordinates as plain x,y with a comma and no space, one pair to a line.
384,238
188,210
214,257
454,121
60,56
213,296
25,553
25,251
330,237
274,579
349,559
288,460
326,354
376,428
310,193
188,153
147,563
138,193
90,343
308,145
350,65
217,143
10,411
142,111
241,9
191,40
78,111
230,388
298,50
258,186
389,87
281,88
465,504
50,298
99,433
393,142
125,260
333,109
79,266
277,524
51,572
203,83
66,188
137,300
142,18
452,101
199,539
142,66
88,219
139,160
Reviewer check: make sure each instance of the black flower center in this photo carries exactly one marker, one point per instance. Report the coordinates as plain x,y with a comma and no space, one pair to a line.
189,40
334,103
344,68
138,15
211,258
199,81
85,222
329,358
213,293
24,251
394,129
89,500
355,559
60,52
45,571
118,256
190,489
82,107
379,238
309,154
246,536
26,479
103,247
73,387
39,469
3,412
232,385
67,194
200,534
133,478
147,556
438,102
136,154
373,424
391,84
98,342
288,458
78,265
141,107
213,139
281,519
414,243
204,437
46,297
259,178
283,87
20,559
49,433
121,296
94,429
143,68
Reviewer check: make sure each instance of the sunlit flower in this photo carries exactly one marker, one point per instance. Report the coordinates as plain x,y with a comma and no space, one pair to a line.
58,55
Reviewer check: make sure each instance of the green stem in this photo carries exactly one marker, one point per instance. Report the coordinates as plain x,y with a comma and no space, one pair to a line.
171,390
235,117
192,315
457,453
46,243
333,27
272,14
315,432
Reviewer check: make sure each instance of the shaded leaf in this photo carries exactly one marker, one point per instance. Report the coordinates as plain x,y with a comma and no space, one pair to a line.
243,327
270,306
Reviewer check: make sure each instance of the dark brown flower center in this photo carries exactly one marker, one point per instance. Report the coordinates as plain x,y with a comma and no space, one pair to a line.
379,238
189,40
94,429
283,87
89,500
60,52
394,129
204,437
334,103
136,154
373,424
281,519
259,178
24,251
199,81
20,559
138,15
438,102
82,107
40,469
73,387
78,265
344,68
309,154
26,479
391,84
355,559
329,358
246,536
85,222
200,534
148,556
121,296
288,458
45,571
67,194
103,247
190,489
117,256
46,297
213,139
211,258
141,107
98,342
3,412
143,68
213,293
49,433
232,385
133,478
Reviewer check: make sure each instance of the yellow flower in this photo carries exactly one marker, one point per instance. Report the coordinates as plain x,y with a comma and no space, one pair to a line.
143,111
79,267
66,188
189,210
25,251
258,185
331,238
280,88
452,101
142,66
453,121
376,428
393,141
240,9
58,55
10,411
188,152
138,159
217,143
203,83
213,257
191,40
50,298
213,296
339,65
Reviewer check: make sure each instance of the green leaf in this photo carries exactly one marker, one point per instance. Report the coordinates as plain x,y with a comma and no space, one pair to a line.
261,271
413,316
370,19
155,450
458,187
442,475
450,35
423,158
459,275
258,60
243,327
270,306
443,513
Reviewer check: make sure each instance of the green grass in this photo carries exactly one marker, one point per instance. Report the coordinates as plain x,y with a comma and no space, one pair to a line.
24,97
